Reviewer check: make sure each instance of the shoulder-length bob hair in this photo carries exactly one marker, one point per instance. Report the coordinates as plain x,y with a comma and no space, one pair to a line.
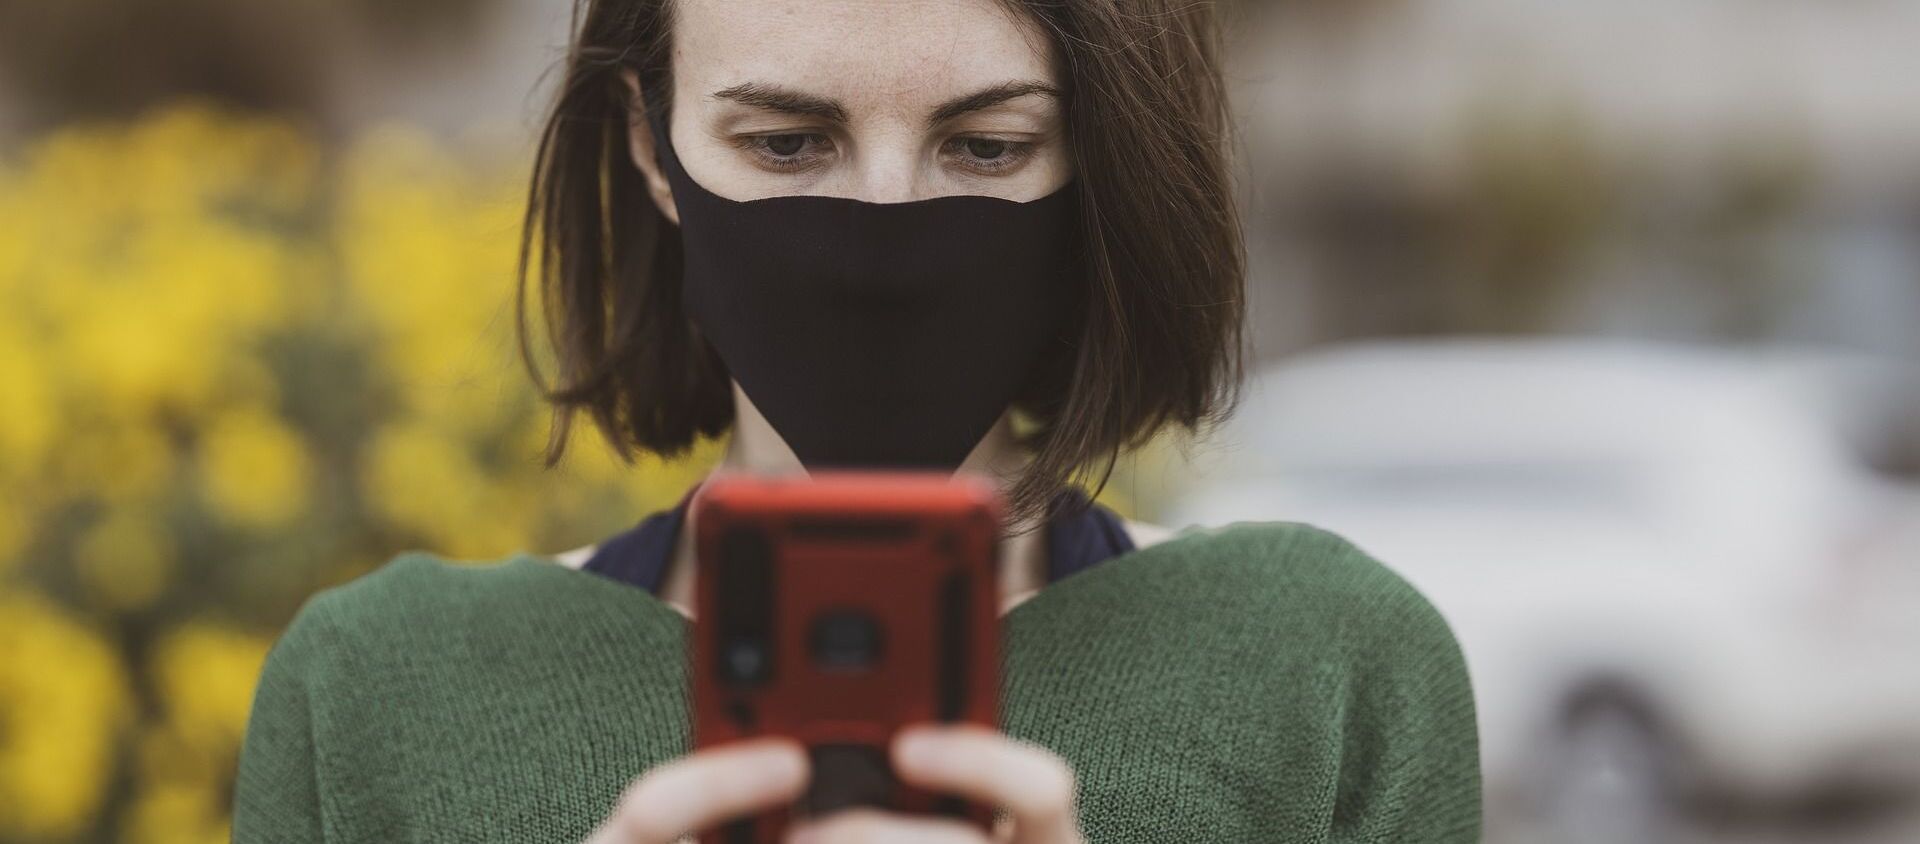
1159,325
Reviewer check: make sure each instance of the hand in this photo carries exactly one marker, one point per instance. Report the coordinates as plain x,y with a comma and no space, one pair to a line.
705,789
1036,787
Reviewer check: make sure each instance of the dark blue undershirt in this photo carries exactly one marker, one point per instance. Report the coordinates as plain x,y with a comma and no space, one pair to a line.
1082,535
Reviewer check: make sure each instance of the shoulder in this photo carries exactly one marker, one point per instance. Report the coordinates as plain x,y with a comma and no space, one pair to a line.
418,601
1309,584
1397,677
1304,559
1403,677
418,584
1391,649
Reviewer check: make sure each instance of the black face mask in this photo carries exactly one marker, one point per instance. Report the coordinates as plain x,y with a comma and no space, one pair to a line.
888,335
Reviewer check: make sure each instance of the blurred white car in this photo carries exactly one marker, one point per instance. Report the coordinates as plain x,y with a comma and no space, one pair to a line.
1690,610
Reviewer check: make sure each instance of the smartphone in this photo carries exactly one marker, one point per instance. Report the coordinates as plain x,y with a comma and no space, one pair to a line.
836,608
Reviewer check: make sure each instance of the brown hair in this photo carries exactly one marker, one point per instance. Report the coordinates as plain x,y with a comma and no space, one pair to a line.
1159,331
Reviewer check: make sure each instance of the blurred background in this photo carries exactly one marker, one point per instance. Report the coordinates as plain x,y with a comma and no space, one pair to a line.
1600,322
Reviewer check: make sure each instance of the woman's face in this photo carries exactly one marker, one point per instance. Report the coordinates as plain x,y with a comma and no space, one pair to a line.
879,100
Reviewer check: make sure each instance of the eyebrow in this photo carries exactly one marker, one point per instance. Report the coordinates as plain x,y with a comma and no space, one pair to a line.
773,97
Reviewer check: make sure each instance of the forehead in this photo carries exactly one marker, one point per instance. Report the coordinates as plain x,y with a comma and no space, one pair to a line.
876,55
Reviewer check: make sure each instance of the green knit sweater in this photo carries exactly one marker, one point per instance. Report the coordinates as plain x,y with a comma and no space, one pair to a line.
1260,682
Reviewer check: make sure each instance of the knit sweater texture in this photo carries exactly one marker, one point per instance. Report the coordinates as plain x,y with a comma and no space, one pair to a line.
1264,681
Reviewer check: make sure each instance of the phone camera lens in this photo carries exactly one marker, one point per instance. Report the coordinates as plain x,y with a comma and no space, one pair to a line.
845,639
746,660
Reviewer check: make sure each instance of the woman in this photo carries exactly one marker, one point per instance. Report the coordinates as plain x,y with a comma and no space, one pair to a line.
991,236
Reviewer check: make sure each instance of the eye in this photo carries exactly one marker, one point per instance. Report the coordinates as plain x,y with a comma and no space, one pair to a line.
785,151
790,151
991,155
993,149
786,146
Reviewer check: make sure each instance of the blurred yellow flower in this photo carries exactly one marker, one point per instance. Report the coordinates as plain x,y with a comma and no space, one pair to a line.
145,249
422,479
28,425
126,559
16,525
427,250
63,705
110,462
177,813
254,471
205,675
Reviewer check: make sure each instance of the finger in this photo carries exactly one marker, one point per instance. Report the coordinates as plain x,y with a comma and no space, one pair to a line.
863,825
703,789
1035,785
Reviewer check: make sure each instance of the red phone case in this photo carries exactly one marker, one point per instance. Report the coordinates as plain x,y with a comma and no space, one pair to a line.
835,609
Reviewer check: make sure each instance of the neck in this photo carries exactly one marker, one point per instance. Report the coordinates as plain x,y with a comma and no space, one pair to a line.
754,447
